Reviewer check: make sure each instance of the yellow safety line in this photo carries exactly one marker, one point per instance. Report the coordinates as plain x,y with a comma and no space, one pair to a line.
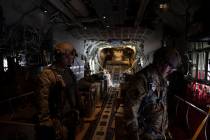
200,127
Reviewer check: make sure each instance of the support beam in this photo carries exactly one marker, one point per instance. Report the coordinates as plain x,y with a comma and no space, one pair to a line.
59,5
140,14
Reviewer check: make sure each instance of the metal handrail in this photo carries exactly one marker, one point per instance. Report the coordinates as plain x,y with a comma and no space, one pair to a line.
192,105
9,101
17,123
16,97
197,108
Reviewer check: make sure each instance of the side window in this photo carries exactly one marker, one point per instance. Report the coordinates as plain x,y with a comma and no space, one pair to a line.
193,58
201,65
199,55
5,64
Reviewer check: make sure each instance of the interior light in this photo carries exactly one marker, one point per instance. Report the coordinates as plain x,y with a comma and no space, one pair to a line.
104,17
108,46
164,4
130,46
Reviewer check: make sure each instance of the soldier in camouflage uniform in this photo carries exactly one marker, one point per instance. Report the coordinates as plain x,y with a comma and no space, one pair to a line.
146,97
57,98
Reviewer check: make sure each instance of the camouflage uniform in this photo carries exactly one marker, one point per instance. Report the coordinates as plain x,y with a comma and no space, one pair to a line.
57,101
147,110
